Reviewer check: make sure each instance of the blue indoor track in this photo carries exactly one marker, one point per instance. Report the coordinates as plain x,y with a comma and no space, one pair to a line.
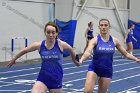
126,77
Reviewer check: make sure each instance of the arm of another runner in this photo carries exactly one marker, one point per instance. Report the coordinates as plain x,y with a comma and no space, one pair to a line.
30,48
89,49
134,38
72,52
124,52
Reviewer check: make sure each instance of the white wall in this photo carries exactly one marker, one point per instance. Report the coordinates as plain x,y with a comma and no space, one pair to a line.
105,3
21,19
63,9
122,4
134,10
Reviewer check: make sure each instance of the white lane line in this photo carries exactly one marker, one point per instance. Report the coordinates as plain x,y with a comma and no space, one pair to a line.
19,70
130,89
126,69
75,72
125,78
14,90
17,76
123,64
13,84
74,80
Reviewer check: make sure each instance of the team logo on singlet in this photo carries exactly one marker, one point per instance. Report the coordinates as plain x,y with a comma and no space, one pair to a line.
50,55
106,48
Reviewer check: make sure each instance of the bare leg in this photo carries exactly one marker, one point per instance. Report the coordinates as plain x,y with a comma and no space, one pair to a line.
130,48
86,45
56,90
90,82
39,87
103,84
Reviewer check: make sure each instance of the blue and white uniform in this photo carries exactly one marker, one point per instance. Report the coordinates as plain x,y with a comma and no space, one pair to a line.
90,34
129,37
103,58
51,73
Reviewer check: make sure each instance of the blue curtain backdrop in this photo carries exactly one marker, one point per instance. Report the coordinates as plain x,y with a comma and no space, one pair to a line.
136,34
67,32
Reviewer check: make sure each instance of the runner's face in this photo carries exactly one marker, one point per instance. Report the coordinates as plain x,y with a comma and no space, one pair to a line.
50,32
133,26
104,27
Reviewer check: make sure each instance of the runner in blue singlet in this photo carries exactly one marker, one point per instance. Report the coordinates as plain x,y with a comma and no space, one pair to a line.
51,72
100,68
51,51
103,57
128,38
89,33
